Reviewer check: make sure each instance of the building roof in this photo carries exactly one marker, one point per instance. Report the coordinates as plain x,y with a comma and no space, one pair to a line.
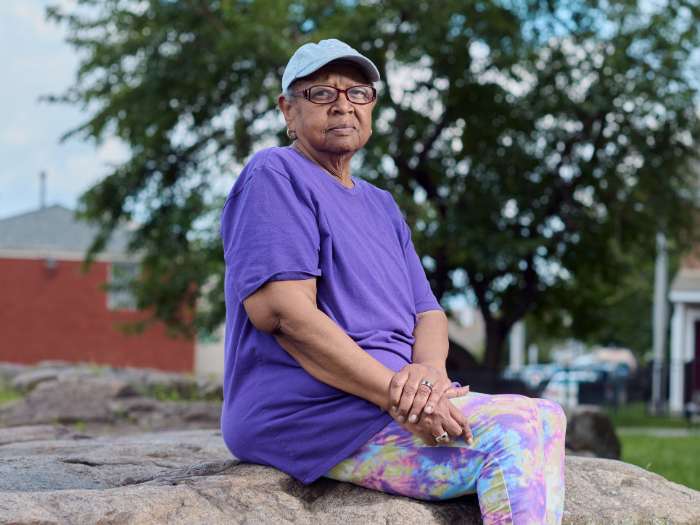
686,280
54,229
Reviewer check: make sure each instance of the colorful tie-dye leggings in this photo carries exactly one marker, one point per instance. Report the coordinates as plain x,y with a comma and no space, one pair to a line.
516,464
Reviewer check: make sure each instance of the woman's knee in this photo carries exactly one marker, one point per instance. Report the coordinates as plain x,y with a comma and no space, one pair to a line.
531,412
552,411
517,403
513,410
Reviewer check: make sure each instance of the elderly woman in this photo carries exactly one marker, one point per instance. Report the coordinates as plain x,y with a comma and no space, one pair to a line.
335,344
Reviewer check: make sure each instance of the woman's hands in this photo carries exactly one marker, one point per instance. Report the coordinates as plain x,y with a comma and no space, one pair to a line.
446,417
427,412
457,391
408,398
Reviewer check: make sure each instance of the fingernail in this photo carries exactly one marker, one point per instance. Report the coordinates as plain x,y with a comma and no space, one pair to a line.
446,440
413,418
429,409
394,409
400,418
470,442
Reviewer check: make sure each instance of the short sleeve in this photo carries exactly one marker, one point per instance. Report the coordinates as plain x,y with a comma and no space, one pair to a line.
269,232
423,296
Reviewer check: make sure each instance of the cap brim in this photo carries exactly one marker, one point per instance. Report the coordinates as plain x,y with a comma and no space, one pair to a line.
362,63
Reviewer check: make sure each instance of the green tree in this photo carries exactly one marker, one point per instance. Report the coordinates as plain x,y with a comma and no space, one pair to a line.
621,316
533,147
616,315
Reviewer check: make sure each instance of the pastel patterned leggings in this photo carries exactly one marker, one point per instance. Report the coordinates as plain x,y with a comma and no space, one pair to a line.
516,464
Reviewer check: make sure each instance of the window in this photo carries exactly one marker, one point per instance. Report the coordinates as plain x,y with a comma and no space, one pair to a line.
119,297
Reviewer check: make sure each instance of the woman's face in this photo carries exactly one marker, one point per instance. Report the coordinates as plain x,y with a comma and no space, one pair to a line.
338,128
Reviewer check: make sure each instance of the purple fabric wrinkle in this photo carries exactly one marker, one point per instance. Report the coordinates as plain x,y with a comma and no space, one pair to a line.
287,219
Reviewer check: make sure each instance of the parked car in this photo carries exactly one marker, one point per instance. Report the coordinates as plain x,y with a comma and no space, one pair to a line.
565,386
534,377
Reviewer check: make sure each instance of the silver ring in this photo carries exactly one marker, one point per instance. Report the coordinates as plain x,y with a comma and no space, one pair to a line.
427,383
441,437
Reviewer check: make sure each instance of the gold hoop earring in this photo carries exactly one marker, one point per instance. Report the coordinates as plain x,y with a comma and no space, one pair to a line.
292,135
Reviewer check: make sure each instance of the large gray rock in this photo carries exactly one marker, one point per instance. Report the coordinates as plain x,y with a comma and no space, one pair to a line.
28,380
190,445
104,403
8,371
242,493
68,400
589,432
607,491
154,383
79,463
32,433
210,487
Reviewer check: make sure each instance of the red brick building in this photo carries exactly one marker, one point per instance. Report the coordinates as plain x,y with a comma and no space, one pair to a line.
49,310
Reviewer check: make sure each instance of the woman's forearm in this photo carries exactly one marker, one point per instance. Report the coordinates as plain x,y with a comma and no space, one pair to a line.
431,339
287,309
327,353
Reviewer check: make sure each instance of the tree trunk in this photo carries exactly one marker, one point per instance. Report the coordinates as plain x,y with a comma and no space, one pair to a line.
496,333
441,272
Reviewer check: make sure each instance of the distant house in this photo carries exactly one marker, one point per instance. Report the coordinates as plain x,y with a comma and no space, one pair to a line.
51,311
684,295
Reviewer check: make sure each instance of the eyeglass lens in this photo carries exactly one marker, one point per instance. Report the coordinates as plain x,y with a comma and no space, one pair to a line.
327,94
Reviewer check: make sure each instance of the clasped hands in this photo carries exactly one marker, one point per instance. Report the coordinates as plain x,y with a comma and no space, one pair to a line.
427,413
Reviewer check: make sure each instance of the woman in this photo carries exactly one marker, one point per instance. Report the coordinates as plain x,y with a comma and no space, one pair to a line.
335,345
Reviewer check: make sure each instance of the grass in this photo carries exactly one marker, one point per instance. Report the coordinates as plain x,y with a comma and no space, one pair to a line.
7,394
635,415
675,458
161,393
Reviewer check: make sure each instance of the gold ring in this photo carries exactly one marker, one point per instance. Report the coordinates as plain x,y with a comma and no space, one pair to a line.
441,438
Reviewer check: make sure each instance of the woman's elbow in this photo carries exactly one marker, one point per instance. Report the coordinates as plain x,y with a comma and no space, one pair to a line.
282,306
261,313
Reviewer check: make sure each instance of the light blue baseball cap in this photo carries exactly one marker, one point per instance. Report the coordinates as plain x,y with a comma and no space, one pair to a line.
312,57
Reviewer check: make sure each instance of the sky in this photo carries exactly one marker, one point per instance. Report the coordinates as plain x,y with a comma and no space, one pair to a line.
35,61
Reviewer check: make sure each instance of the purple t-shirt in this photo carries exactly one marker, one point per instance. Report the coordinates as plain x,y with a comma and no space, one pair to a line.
287,219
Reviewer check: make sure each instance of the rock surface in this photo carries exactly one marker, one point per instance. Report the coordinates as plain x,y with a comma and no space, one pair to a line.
33,433
79,462
189,478
25,378
96,404
605,491
589,432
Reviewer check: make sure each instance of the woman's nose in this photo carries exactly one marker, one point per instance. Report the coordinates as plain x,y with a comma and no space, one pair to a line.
342,104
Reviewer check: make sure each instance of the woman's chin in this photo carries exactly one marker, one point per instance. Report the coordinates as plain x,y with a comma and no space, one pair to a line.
342,145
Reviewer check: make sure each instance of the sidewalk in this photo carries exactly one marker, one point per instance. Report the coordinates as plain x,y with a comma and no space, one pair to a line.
658,432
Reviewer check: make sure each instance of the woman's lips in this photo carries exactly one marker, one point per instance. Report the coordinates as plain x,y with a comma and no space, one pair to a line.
343,128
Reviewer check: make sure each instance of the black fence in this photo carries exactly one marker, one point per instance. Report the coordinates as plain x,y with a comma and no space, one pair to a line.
600,387
487,381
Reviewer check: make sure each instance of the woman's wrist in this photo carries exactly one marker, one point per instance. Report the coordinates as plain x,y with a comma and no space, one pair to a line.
437,364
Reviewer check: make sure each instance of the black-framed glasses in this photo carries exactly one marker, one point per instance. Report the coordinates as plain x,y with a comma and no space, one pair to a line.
328,94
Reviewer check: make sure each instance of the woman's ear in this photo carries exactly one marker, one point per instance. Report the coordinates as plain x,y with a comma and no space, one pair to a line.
286,107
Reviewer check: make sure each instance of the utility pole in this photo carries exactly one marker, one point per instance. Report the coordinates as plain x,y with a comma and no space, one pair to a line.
517,346
42,190
532,354
660,326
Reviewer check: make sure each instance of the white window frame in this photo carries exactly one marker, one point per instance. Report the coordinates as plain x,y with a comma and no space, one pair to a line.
121,300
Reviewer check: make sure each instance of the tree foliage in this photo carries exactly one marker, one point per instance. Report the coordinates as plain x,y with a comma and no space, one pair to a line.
534,147
622,316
